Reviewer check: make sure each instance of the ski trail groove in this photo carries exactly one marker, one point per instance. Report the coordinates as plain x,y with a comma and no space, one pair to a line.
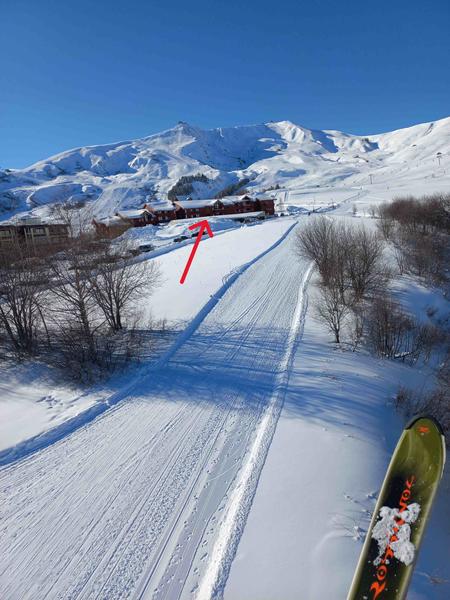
148,500
239,503
43,440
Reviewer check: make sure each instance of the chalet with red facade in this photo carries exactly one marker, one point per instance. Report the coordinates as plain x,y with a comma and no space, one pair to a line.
137,217
110,227
193,209
155,214
163,213
230,205
238,204
266,204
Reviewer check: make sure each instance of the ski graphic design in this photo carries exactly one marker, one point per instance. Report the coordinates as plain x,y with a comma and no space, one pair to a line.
389,553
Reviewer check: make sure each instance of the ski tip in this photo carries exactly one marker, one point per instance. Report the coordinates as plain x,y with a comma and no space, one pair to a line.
416,418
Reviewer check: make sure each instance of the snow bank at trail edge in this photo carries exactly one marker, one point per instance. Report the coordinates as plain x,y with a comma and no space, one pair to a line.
239,503
35,412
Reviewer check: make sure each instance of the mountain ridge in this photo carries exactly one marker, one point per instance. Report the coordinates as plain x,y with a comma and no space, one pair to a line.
280,154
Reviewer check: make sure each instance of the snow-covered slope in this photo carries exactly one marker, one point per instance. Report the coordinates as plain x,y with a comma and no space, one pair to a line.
125,174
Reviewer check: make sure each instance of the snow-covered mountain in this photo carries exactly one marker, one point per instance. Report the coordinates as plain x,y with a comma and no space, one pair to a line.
125,174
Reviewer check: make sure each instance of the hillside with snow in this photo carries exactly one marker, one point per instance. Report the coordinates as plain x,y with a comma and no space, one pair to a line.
281,154
241,456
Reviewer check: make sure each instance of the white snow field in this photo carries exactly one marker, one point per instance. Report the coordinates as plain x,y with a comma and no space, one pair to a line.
35,404
133,504
124,175
333,442
142,488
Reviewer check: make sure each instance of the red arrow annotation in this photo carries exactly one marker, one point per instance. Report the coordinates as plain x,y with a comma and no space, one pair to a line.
204,226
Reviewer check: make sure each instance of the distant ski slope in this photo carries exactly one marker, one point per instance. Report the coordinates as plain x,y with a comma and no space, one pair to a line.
125,174
130,506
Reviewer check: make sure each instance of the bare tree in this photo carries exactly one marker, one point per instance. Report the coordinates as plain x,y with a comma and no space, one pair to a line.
385,223
357,324
364,266
22,281
74,305
314,242
332,311
324,242
389,328
77,217
373,211
117,284
420,230
348,258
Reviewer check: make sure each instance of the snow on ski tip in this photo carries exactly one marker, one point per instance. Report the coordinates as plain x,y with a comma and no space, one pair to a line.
387,559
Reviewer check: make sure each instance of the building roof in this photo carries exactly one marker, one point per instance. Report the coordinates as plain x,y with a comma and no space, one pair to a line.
246,215
110,221
196,203
159,207
263,196
35,222
28,220
235,199
134,213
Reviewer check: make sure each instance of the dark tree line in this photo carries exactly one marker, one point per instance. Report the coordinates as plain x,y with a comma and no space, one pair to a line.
234,188
184,187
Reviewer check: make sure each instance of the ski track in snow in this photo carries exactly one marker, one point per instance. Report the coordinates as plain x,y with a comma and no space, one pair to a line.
42,440
149,500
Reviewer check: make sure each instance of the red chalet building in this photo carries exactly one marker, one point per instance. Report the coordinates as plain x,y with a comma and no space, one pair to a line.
136,217
230,205
191,209
163,213
150,214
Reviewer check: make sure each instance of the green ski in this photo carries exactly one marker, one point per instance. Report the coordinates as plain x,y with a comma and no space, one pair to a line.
398,522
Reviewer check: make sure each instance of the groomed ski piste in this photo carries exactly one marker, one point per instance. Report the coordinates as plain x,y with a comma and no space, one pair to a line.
149,499
244,464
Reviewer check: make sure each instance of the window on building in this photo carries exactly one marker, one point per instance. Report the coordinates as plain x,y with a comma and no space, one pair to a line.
36,231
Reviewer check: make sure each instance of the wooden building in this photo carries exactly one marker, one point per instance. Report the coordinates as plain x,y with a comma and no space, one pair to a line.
155,214
44,233
238,204
8,235
192,209
163,213
266,204
137,217
32,231
111,227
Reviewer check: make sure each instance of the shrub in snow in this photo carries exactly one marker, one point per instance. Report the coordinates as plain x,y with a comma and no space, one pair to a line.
420,231
349,258
393,333
332,311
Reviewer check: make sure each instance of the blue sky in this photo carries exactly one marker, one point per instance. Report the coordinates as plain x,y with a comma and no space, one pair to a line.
90,72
